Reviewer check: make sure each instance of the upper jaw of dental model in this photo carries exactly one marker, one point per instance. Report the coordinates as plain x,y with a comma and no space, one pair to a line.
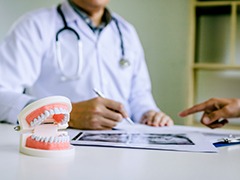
52,113
50,110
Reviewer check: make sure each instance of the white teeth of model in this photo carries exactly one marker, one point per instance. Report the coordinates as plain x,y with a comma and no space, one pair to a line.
56,111
65,111
65,139
42,139
58,139
35,122
39,119
33,137
43,117
55,139
51,139
46,139
65,119
38,138
61,139
32,123
51,111
47,113
61,110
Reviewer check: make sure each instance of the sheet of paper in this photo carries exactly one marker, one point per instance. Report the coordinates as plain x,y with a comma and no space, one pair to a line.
144,137
212,135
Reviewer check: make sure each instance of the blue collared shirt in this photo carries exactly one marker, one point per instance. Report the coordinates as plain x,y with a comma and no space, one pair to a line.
106,19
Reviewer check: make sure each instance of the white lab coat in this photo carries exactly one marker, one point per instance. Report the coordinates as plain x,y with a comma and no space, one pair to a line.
28,64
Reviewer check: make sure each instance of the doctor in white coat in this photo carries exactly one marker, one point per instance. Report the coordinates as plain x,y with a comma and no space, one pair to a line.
109,58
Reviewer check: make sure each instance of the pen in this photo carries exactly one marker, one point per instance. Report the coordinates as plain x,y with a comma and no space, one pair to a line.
101,95
230,139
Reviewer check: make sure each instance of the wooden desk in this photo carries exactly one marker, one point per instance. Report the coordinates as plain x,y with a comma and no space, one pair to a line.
98,163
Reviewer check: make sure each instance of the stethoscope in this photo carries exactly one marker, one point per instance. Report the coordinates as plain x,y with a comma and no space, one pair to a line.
123,62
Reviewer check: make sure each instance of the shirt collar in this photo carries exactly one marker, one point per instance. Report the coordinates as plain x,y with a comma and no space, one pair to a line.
106,18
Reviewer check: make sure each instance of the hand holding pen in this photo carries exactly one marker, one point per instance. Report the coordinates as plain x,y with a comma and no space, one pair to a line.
125,116
96,114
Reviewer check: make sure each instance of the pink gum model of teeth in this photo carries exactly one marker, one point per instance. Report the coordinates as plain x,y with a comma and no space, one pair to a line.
42,120
52,142
53,113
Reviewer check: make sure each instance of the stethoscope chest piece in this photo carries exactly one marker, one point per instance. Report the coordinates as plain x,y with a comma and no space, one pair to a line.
124,63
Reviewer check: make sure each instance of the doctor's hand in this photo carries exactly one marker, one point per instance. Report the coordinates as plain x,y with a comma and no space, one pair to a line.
96,114
216,110
157,119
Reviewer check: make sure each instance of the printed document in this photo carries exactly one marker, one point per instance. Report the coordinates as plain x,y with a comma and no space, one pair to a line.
144,137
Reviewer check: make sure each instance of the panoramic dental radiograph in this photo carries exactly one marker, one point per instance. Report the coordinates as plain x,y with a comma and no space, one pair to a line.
43,126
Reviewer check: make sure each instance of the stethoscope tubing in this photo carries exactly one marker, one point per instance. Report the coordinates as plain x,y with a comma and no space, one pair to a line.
123,62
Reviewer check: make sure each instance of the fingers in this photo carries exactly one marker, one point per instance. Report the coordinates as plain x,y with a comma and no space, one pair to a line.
106,124
214,110
99,123
207,106
212,119
157,119
209,118
218,124
106,114
94,114
112,115
147,117
215,124
108,109
115,107
161,119
196,108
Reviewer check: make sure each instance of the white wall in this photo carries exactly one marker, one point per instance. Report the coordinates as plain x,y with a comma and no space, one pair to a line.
10,10
163,29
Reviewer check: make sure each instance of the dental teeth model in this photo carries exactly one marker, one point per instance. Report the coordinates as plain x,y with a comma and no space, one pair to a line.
42,125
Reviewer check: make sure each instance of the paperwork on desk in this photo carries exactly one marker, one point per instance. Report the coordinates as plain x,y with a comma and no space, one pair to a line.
175,138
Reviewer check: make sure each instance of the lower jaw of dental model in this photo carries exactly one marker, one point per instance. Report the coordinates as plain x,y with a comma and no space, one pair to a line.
44,122
60,142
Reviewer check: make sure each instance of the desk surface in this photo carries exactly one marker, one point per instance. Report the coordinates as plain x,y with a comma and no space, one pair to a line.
116,164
